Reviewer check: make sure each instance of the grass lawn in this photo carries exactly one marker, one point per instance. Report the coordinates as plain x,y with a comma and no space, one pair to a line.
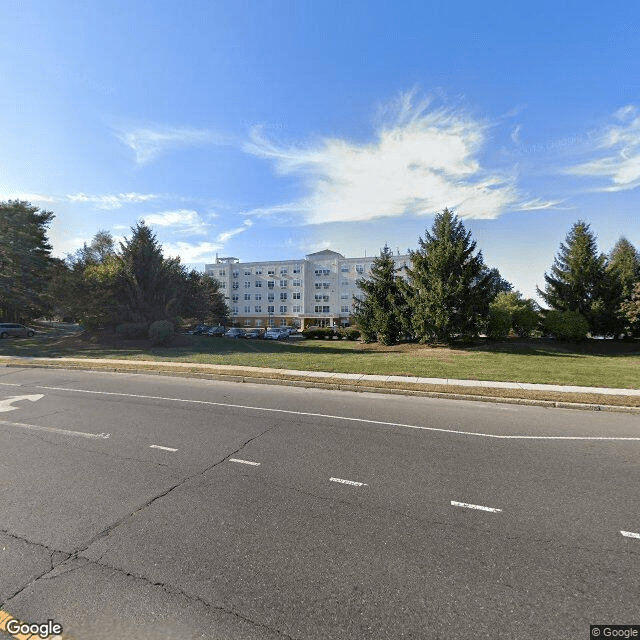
600,363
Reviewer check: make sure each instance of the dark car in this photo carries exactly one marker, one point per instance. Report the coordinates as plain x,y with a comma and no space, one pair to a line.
253,334
200,330
234,332
17,330
275,334
218,332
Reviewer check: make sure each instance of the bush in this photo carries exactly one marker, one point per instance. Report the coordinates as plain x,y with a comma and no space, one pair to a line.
525,321
161,332
132,330
499,324
565,325
318,333
350,333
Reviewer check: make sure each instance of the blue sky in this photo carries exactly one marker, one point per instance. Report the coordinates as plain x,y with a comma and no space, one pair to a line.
266,130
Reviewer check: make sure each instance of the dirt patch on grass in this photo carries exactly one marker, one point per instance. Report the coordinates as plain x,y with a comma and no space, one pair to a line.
443,353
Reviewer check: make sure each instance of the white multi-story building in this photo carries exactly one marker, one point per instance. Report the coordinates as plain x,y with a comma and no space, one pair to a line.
317,290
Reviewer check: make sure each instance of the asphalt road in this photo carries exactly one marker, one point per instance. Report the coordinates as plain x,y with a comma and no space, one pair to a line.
151,508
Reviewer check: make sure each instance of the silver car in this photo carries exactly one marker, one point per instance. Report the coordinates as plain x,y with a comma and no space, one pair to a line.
17,330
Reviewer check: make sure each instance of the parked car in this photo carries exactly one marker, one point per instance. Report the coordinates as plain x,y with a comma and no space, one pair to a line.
253,334
235,332
16,330
200,329
218,332
274,333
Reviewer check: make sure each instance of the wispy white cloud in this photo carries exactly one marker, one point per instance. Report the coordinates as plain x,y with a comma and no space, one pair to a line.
227,235
29,197
619,153
182,220
111,201
538,204
190,252
149,142
420,160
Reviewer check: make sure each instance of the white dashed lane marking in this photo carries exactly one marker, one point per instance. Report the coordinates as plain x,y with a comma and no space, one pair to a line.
253,464
64,432
157,446
630,534
351,482
466,505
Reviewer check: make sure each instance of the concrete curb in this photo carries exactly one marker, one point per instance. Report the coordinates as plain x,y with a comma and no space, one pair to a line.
326,380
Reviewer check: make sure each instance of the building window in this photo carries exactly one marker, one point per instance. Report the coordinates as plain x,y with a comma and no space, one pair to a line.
271,284
297,308
247,272
296,269
247,308
236,285
317,285
283,322
235,297
247,323
318,297
247,296
247,284
283,283
296,295
283,296
345,283
223,273
258,271
258,283
322,309
223,285
326,285
235,274
271,297
271,272
344,268
283,271
297,283
270,308
234,310
258,296
359,268
344,296
344,309
258,308
258,323
283,308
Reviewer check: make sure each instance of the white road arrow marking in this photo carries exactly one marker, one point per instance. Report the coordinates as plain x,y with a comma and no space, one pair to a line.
5,405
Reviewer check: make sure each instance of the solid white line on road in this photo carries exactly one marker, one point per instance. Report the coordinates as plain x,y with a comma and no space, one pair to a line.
254,464
64,432
351,482
474,506
157,446
630,534
333,417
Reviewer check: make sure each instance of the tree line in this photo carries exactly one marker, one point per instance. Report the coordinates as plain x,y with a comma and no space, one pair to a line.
127,288
449,294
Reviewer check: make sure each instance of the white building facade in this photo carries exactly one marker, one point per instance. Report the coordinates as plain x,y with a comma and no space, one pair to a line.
317,290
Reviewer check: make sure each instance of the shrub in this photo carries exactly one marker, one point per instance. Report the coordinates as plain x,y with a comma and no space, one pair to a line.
132,330
525,321
499,322
161,332
318,333
350,333
566,325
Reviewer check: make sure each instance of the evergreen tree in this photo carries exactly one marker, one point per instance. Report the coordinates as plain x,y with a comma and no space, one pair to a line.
450,287
25,260
151,284
578,280
624,266
202,300
379,314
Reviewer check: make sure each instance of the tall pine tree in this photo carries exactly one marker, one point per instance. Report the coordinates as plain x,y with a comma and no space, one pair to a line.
578,280
449,286
25,260
379,314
